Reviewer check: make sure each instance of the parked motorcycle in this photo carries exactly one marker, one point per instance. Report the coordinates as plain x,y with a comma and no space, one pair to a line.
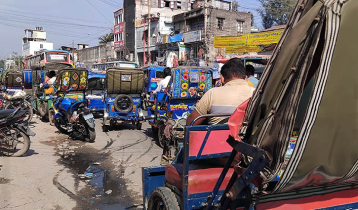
72,117
14,137
17,99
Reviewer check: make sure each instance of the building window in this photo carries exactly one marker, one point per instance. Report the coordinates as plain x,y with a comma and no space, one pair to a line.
41,46
167,4
240,26
221,23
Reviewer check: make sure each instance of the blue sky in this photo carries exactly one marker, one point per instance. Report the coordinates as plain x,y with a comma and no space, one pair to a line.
80,21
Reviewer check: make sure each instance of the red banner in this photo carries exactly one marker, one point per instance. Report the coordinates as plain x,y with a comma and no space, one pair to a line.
118,28
118,45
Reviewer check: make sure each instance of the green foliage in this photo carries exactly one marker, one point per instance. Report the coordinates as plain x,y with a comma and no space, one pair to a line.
106,38
276,12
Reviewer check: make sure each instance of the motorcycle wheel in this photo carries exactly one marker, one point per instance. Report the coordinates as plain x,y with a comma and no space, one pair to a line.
58,125
161,138
90,133
25,105
15,152
51,118
138,126
91,137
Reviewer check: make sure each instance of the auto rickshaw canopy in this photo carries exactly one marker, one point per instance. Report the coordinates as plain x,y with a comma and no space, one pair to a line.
120,80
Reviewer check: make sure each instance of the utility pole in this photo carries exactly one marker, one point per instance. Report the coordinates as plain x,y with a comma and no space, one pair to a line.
205,28
73,53
148,37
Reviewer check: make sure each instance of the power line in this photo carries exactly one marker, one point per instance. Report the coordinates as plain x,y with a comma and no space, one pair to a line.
110,4
46,15
98,10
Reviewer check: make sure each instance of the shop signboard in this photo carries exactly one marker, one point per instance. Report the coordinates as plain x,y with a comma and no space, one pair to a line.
230,41
265,38
192,36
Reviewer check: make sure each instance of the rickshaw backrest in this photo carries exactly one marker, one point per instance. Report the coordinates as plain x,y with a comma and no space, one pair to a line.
14,79
190,82
208,143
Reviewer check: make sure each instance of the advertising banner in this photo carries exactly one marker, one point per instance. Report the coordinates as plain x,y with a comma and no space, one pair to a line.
118,28
265,38
192,36
172,59
242,49
183,52
230,41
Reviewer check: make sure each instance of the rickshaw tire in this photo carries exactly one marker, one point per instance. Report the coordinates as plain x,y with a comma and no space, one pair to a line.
128,109
160,138
155,131
138,126
43,109
51,114
105,128
163,195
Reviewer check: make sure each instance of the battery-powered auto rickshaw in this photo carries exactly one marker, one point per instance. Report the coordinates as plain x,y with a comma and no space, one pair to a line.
321,172
123,88
42,93
95,91
14,95
187,85
152,76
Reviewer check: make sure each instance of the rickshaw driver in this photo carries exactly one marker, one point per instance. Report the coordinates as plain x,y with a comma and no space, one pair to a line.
50,79
164,82
225,99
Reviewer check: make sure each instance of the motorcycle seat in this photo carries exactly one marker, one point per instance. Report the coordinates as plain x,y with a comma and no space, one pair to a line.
5,113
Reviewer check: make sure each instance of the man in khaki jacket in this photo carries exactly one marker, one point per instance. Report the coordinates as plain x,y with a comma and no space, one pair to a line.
225,99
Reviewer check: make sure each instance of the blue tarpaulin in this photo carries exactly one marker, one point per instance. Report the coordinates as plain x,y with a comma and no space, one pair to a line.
176,38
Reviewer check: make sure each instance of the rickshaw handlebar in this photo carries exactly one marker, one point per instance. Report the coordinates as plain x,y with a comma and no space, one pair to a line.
207,116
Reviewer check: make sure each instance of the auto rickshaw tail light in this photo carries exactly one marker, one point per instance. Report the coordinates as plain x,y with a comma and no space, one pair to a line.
89,102
134,108
112,108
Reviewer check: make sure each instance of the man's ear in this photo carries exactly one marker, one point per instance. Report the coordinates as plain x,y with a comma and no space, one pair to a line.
222,79
246,77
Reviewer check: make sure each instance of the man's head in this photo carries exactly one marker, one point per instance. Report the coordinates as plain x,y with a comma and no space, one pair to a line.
167,72
250,70
233,69
52,74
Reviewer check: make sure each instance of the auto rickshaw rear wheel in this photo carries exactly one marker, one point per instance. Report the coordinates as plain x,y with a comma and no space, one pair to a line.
163,198
138,125
161,138
43,108
123,103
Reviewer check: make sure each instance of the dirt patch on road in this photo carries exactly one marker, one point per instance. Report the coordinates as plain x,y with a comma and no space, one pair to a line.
4,181
105,186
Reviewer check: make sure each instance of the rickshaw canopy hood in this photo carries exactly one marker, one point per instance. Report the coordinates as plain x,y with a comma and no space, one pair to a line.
315,57
120,80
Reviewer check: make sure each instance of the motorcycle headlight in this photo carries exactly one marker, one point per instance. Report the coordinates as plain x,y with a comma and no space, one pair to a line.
105,115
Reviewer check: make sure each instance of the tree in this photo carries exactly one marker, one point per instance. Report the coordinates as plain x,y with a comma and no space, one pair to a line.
276,12
106,38
235,5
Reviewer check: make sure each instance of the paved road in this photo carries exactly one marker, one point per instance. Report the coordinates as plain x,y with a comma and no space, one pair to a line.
62,173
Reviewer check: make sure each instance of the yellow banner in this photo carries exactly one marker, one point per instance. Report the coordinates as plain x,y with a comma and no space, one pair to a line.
264,38
242,49
229,41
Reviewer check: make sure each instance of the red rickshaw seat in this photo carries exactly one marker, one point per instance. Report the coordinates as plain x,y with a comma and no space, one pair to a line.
201,178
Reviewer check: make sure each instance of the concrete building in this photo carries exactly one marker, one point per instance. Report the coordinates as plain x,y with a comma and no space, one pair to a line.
195,44
34,41
96,54
135,26
121,51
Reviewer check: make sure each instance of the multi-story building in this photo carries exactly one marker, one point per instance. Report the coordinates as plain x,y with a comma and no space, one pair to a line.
197,43
121,51
34,41
135,13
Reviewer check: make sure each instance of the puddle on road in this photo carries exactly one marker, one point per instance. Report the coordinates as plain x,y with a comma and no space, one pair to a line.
105,188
